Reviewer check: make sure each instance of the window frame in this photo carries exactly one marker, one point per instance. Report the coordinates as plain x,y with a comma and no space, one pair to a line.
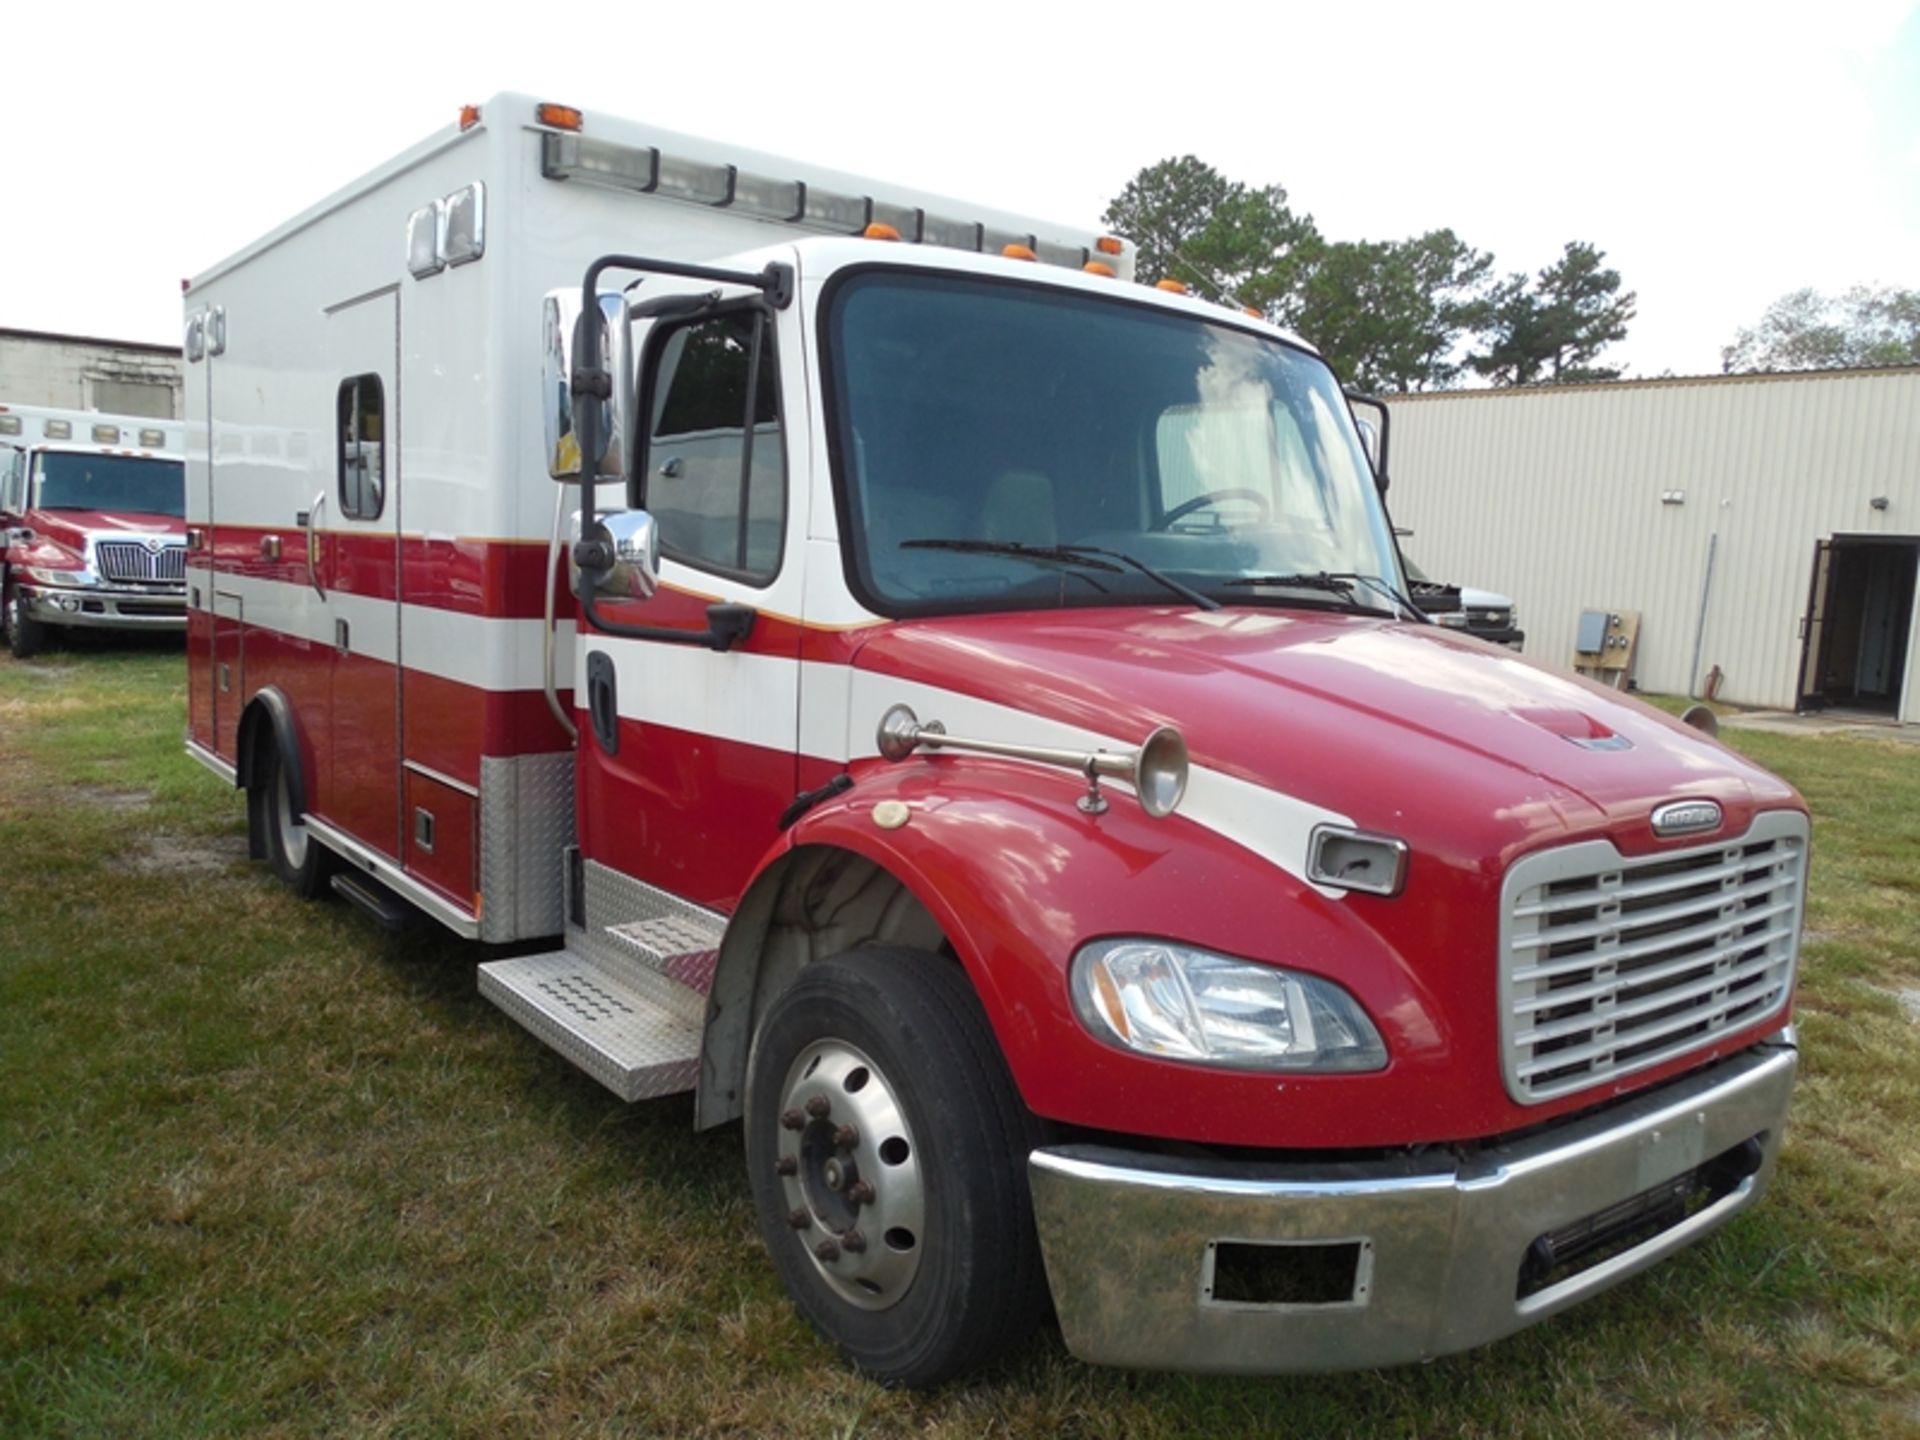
353,384
638,480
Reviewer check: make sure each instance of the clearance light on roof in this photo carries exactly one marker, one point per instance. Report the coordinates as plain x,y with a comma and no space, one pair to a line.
560,117
1018,252
1110,245
469,116
152,439
1100,267
651,171
106,434
1172,287
877,231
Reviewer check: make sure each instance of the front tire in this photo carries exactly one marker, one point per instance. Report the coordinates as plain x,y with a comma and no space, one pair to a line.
25,635
303,864
887,1153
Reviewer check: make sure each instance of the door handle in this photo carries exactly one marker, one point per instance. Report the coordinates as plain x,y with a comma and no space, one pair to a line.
313,542
603,703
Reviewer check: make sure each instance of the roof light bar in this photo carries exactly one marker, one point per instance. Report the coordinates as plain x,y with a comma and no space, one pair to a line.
649,171
9,424
106,434
57,429
153,439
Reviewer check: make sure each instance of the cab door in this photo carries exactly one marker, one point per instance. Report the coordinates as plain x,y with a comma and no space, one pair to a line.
688,754
355,542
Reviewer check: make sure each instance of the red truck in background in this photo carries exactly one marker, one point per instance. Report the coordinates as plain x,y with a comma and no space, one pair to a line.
959,713
92,534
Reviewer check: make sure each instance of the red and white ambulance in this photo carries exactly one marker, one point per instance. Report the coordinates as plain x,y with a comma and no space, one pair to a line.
91,528
980,739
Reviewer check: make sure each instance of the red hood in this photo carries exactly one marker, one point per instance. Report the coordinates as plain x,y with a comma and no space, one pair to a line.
72,527
1409,729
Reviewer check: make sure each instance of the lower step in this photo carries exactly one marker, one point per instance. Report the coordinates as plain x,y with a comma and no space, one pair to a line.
630,1042
374,899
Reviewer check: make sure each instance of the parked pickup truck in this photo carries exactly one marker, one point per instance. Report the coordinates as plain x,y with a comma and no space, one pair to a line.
1483,614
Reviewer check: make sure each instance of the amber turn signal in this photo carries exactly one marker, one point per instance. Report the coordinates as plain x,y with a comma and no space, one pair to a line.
560,117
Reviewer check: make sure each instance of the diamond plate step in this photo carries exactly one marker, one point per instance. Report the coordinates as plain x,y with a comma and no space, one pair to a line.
630,1040
682,946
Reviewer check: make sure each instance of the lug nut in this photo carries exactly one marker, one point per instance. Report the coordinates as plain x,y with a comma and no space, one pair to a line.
793,1120
819,1106
786,1165
846,1137
799,1219
827,1250
854,1242
860,1193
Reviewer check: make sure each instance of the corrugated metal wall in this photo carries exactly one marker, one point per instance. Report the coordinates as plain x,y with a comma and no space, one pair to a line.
1554,497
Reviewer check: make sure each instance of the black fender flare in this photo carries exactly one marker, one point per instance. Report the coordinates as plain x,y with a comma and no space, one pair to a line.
270,714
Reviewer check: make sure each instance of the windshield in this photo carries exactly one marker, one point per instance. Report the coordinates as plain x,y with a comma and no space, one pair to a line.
1005,416
112,482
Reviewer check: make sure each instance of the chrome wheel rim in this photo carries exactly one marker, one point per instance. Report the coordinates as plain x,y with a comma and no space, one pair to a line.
292,832
849,1168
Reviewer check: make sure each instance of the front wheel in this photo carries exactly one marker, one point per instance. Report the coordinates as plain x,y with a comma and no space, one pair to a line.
25,635
887,1154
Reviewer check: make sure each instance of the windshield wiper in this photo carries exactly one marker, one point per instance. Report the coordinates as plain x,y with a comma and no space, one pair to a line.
1339,582
1186,592
1039,554
1069,555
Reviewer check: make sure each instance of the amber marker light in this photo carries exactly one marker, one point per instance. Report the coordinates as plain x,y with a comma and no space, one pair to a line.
560,117
1100,267
1109,245
1172,287
879,230
1253,311
469,116
1018,252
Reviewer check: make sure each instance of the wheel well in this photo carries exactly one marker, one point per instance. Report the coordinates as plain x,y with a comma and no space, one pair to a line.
813,902
266,726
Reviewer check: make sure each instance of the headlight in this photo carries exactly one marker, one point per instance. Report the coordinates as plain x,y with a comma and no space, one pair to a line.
1178,1003
41,575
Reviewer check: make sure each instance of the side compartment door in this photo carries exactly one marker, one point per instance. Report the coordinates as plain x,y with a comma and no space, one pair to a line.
1811,693
356,542
689,755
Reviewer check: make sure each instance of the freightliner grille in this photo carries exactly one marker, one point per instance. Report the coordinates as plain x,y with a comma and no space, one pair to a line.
1610,965
129,560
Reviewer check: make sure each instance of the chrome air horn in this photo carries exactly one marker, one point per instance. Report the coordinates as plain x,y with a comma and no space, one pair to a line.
1157,768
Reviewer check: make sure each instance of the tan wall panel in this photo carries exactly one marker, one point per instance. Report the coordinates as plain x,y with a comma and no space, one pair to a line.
1553,496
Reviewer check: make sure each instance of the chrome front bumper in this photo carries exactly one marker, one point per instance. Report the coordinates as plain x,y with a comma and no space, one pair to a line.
107,608
1436,1243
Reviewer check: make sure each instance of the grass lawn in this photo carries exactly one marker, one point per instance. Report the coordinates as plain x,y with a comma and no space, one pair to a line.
265,1169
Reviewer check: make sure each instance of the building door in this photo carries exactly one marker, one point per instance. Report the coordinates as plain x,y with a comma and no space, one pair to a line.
1859,623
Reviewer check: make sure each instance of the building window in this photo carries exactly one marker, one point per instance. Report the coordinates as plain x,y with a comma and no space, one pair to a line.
150,398
718,506
362,447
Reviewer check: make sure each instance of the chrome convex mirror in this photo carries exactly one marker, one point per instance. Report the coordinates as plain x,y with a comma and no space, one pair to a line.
634,541
559,406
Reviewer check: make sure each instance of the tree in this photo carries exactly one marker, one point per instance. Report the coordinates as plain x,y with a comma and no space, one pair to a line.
1551,330
1806,330
1224,239
1389,315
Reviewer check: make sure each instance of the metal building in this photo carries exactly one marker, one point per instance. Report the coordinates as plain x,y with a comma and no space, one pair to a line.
1767,525
79,372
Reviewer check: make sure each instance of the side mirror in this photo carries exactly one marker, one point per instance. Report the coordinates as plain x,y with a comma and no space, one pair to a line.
633,539
1370,438
561,318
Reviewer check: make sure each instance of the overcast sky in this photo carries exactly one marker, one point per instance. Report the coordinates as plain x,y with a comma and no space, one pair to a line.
1721,155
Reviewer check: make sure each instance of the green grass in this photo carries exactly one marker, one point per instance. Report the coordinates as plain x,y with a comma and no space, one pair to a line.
265,1169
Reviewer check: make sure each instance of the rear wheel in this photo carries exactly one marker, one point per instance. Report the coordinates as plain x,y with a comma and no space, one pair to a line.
302,863
887,1152
25,635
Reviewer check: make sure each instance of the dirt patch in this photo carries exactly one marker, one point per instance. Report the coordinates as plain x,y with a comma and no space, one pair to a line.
121,802
181,855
